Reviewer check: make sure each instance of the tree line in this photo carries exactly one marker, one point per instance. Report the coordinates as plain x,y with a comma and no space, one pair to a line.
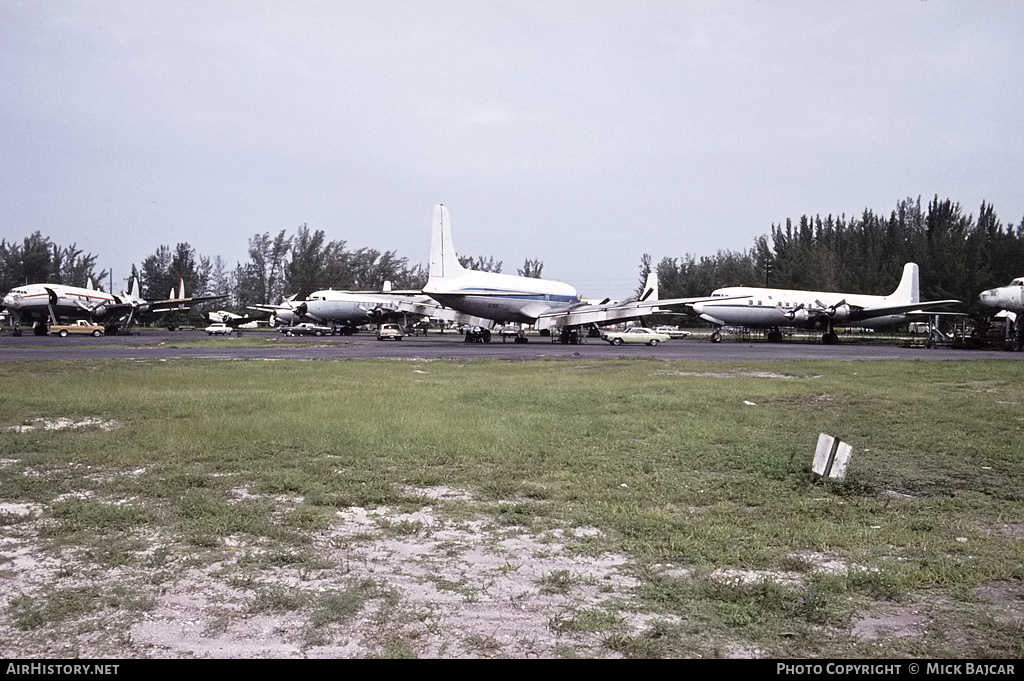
959,255
279,265
37,260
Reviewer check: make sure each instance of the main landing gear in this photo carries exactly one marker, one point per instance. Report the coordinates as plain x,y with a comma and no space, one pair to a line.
478,335
570,336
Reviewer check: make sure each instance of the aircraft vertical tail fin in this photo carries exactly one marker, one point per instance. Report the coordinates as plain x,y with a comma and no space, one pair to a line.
909,289
650,287
444,262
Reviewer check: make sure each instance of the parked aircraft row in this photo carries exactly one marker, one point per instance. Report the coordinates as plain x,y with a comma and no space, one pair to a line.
771,309
455,293
43,304
356,308
551,304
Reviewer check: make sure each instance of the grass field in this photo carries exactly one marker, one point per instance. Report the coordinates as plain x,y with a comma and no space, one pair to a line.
520,509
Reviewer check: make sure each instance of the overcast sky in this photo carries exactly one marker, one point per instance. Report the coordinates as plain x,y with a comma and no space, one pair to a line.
583,134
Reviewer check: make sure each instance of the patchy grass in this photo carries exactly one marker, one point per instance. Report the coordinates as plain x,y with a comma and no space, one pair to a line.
246,475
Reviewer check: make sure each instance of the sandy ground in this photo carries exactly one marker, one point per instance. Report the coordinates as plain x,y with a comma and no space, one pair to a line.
378,582
423,586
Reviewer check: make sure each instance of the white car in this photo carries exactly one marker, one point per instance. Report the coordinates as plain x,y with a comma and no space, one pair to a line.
218,329
392,331
637,334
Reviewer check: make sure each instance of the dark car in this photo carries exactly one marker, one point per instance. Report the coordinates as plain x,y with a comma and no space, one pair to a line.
307,329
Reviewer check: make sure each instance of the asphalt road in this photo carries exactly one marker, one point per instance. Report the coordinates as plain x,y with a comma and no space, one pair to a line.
158,344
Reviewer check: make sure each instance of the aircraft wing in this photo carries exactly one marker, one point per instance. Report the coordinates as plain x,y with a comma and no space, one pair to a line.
857,314
613,313
414,302
266,308
232,320
177,303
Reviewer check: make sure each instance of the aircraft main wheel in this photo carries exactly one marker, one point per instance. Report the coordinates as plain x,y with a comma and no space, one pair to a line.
716,337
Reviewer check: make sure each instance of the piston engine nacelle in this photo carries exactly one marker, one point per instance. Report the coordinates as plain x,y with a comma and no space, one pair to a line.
840,313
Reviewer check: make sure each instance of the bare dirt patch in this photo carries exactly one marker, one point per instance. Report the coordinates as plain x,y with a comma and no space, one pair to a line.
729,374
1011,530
1005,601
378,582
902,621
66,424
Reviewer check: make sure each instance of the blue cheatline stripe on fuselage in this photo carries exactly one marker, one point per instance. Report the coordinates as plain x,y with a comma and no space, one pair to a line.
514,295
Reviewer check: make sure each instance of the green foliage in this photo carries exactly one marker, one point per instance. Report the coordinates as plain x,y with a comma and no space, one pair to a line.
531,268
480,263
959,255
38,260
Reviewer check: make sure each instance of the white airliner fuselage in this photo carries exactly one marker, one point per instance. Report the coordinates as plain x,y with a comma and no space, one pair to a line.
42,303
491,295
1010,298
503,297
355,308
547,304
342,307
33,301
774,308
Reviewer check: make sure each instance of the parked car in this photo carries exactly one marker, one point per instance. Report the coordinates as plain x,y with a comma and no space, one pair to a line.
637,334
79,326
218,329
390,332
307,329
672,332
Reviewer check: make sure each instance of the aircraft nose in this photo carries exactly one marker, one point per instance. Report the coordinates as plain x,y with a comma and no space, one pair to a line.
988,297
